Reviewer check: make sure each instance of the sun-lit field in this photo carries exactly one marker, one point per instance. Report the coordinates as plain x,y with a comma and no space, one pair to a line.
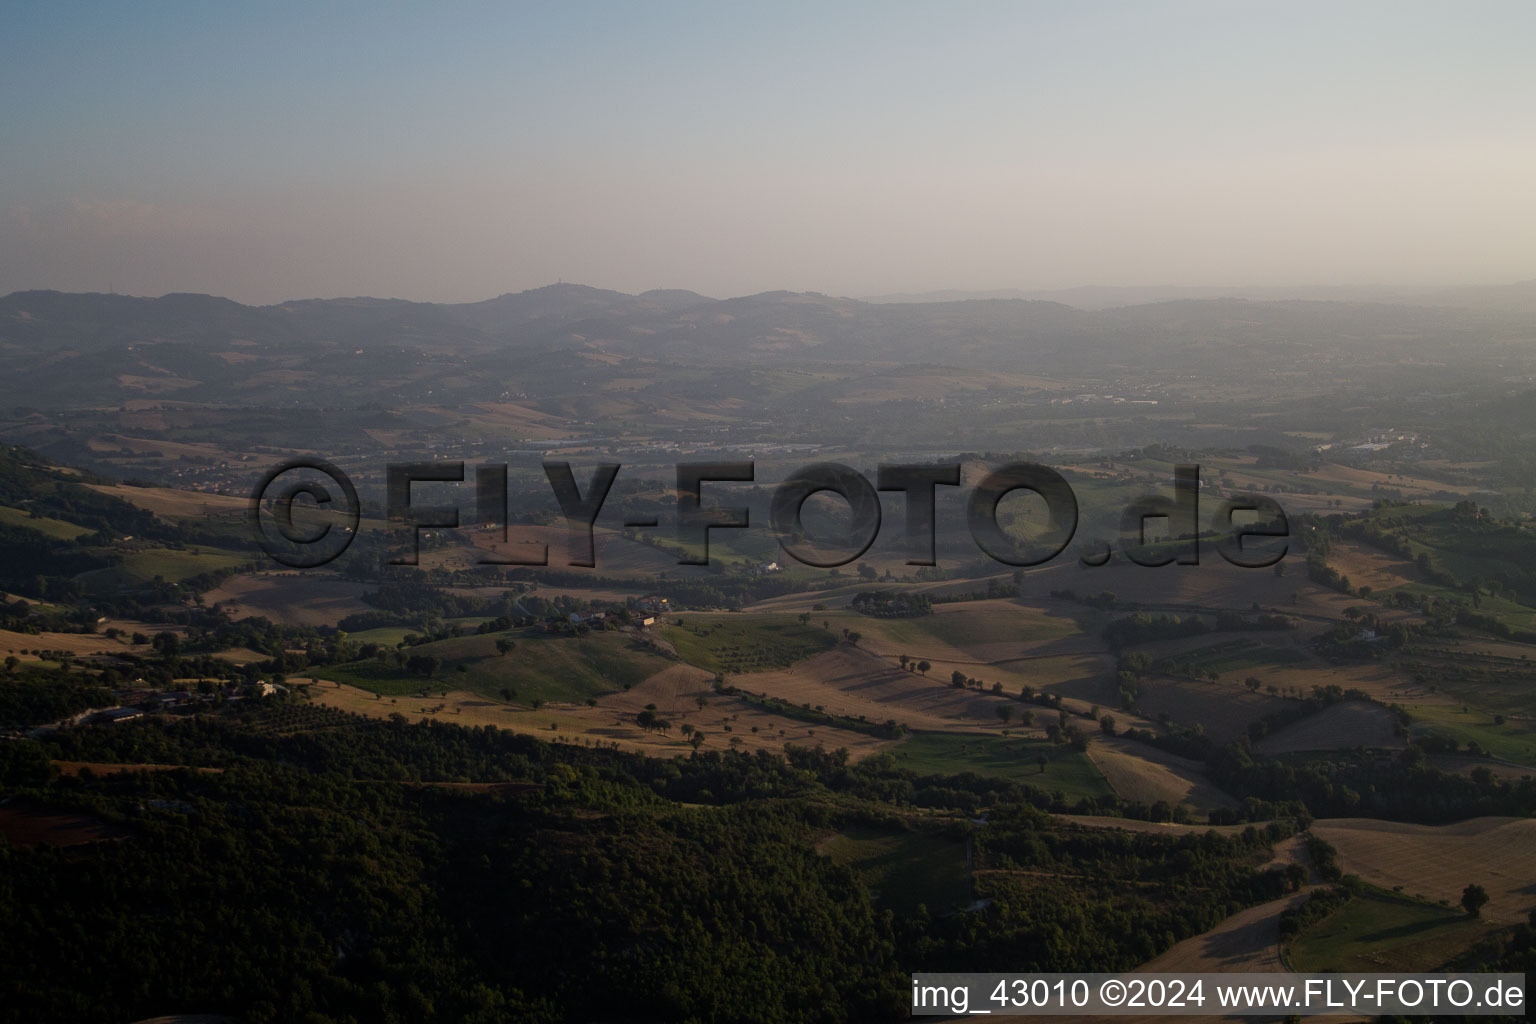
852,682
1437,862
1145,774
727,723
177,504
56,528
76,643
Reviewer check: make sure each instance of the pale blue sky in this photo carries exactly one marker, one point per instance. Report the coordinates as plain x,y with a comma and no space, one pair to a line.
289,150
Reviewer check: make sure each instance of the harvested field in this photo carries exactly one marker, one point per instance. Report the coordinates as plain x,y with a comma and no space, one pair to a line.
1223,709
173,504
1247,941
1437,862
1370,567
1340,727
78,644
853,682
674,691
1144,774
975,631
240,655
289,598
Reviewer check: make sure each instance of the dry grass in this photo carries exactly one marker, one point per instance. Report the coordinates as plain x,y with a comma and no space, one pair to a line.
853,682
1437,862
171,504
79,644
611,723
1145,774
1368,567
289,598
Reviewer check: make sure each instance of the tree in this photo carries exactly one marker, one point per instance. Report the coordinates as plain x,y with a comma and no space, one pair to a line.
1005,713
923,667
1042,761
957,679
904,658
1253,683
1107,723
1473,897
504,646
423,664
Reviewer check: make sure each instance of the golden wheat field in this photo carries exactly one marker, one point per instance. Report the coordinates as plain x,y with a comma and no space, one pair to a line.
1438,861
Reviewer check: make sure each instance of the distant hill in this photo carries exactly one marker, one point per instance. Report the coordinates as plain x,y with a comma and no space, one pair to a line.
1520,296
61,350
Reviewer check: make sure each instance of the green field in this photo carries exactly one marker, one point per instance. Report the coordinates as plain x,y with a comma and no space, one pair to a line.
1068,771
55,528
1240,656
746,643
1466,546
176,566
904,869
1515,740
1379,933
1493,683
540,667
168,564
1510,613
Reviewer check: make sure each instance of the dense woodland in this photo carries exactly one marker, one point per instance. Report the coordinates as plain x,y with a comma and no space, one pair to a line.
311,877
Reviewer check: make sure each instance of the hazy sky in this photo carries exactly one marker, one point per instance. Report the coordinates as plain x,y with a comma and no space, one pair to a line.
274,151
